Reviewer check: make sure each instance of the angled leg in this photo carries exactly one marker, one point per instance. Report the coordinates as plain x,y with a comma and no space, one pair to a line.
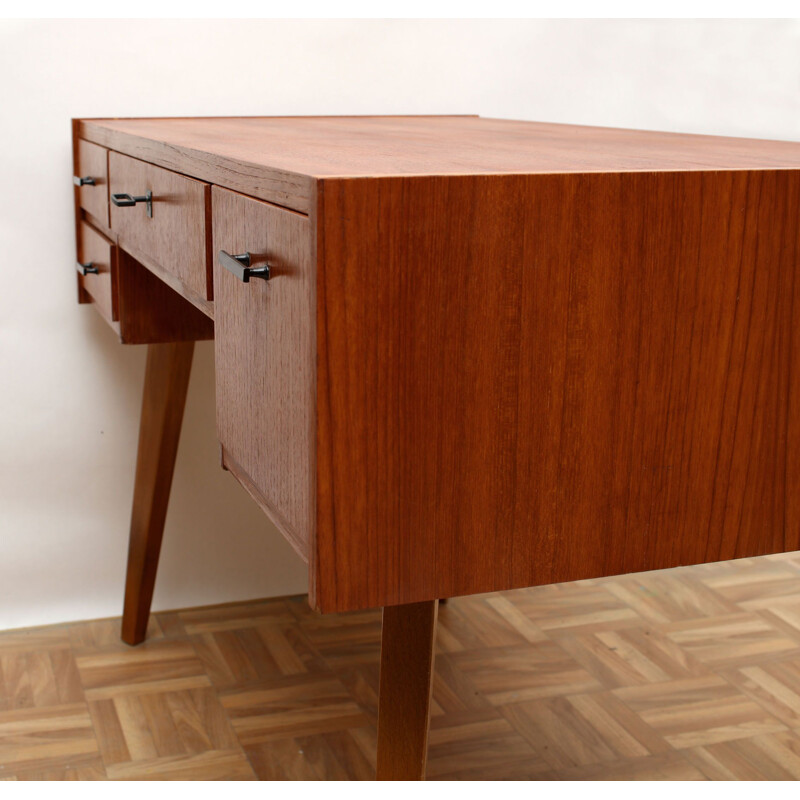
407,650
165,383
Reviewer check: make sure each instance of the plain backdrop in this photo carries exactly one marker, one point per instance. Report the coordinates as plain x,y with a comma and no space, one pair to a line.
70,394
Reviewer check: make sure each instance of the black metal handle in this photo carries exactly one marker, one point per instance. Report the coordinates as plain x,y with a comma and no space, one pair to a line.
88,268
240,266
87,181
127,200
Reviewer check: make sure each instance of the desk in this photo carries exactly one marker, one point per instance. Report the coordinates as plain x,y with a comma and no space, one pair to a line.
457,355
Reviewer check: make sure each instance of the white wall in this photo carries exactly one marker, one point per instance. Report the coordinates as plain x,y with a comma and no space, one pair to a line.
69,394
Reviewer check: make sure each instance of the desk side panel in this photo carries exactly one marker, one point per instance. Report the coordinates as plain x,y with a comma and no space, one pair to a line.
534,379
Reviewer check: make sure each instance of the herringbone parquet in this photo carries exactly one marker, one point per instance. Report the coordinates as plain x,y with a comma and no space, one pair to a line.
684,674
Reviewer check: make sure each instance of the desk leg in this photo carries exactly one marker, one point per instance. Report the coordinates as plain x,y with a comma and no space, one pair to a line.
407,649
165,382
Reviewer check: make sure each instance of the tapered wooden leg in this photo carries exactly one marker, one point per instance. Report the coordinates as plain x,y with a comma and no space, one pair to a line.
165,383
407,650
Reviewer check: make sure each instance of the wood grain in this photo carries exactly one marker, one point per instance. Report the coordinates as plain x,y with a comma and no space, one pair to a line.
536,379
618,678
166,381
177,286
275,158
494,354
92,162
407,651
279,186
520,378
177,235
101,287
264,360
152,312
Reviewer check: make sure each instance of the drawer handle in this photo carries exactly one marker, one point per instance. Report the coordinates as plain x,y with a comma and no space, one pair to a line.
127,200
87,181
240,267
86,269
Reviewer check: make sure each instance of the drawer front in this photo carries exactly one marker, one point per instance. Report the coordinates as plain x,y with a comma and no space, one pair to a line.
175,237
264,359
97,253
92,167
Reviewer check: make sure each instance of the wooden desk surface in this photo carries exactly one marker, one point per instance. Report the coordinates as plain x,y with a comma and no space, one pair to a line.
273,158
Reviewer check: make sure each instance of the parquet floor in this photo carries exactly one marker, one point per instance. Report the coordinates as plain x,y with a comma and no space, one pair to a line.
681,674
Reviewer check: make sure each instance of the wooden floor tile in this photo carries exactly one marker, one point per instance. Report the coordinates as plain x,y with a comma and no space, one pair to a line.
44,738
477,742
684,674
583,729
91,770
514,674
105,634
569,609
732,640
699,711
222,765
236,616
286,760
473,623
666,767
352,752
669,596
775,685
291,706
152,667
768,757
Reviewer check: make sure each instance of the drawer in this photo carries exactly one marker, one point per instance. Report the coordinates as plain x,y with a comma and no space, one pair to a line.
265,376
95,252
91,179
173,235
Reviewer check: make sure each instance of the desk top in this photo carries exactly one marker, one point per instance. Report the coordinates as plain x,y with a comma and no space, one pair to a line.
294,150
374,146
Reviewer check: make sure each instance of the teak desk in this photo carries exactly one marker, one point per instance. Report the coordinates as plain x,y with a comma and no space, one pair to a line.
457,355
